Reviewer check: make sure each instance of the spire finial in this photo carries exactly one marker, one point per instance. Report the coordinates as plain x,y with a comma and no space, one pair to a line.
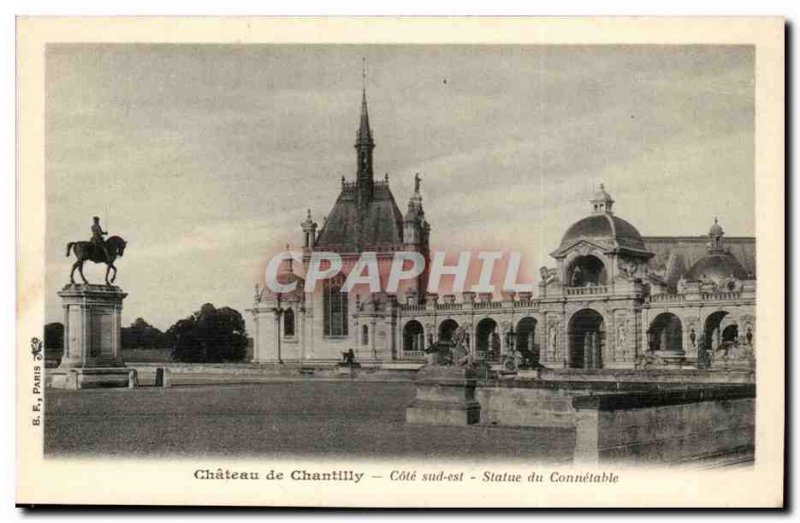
364,135
363,73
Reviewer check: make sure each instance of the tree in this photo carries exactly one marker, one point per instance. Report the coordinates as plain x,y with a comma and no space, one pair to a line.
210,335
142,335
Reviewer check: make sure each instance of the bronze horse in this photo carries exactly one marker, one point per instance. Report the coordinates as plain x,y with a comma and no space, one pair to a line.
89,251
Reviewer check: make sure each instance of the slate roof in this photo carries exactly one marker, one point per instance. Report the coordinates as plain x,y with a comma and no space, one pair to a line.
606,227
717,266
693,248
376,224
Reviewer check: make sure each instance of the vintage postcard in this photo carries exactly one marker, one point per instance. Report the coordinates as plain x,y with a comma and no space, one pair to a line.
401,262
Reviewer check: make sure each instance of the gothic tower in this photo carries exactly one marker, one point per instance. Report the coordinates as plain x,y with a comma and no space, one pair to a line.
364,146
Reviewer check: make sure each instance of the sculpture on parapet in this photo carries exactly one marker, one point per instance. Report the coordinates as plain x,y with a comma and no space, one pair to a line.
548,275
97,250
450,353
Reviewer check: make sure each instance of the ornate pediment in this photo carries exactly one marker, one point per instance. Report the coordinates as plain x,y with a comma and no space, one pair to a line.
583,246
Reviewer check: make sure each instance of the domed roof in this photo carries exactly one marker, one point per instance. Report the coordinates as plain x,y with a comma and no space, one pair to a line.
717,266
604,226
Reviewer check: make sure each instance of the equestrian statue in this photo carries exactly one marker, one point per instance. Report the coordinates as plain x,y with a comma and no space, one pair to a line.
97,250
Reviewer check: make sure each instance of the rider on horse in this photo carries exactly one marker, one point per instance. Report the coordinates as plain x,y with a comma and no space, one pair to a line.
97,250
97,237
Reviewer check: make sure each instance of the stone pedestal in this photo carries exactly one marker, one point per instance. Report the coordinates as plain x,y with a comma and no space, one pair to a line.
92,333
444,396
670,358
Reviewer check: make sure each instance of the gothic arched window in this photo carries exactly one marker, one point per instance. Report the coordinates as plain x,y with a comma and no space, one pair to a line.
334,305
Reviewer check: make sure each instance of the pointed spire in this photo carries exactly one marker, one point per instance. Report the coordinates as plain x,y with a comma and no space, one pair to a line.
364,136
364,146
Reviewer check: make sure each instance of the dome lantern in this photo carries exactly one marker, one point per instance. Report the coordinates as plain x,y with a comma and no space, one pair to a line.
718,265
715,234
602,201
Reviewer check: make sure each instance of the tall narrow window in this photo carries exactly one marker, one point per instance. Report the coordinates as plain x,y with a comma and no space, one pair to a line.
334,308
364,335
288,323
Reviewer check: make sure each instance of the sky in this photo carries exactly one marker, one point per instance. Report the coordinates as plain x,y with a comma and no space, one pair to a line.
206,157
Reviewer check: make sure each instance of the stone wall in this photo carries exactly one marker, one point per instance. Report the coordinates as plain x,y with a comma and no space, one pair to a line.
651,376
548,400
696,425
177,374
526,407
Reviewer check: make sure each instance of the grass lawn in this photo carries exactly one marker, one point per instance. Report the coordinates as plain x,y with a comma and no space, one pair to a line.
311,418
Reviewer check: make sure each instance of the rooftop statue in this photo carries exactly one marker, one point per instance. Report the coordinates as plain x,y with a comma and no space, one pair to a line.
97,250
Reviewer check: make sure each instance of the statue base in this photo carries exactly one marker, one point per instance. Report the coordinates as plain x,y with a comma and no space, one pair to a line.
444,396
92,339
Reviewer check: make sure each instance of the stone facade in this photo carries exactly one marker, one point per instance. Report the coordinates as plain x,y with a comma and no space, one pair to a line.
631,319
613,300
323,325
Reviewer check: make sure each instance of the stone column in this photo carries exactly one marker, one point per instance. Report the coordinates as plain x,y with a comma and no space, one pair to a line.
373,338
92,341
588,350
300,329
596,362
277,337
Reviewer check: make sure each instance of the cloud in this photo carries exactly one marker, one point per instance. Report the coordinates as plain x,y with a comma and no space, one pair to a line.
206,157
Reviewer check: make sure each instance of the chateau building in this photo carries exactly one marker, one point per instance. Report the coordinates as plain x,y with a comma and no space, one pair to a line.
614,299
324,324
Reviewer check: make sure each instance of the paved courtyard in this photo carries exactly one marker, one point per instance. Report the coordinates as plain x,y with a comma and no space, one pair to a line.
310,418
